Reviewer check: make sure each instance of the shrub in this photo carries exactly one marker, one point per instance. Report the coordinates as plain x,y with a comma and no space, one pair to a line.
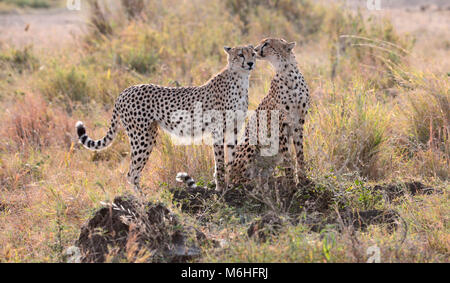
140,52
19,59
31,123
65,85
134,8
305,17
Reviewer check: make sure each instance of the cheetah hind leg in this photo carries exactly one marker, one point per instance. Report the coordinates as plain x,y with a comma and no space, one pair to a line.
141,148
284,148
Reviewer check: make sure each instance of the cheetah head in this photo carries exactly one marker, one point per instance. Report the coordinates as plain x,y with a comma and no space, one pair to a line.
275,50
241,58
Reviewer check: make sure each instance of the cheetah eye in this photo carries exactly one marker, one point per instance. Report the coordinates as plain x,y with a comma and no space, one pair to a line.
241,55
253,54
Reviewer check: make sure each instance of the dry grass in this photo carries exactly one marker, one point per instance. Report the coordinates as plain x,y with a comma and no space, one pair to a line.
32,123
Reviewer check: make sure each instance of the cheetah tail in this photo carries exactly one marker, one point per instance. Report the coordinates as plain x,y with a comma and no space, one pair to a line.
103,143
183,177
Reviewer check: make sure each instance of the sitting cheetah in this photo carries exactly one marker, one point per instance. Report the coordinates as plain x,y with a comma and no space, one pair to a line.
142,108
289,95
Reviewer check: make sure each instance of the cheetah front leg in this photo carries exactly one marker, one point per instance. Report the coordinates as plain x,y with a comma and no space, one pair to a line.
232,127
231,147
284,148
298,145
219,160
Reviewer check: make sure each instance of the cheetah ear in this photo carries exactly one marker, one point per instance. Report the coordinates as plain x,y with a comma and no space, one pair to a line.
251,46
227,49
290,46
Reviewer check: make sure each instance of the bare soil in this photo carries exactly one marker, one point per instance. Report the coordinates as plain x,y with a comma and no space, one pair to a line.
41,28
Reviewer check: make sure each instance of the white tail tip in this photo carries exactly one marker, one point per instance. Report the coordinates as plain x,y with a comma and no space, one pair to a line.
181,176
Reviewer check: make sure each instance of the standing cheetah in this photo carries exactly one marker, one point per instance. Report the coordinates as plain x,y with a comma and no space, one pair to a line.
142,108
289,96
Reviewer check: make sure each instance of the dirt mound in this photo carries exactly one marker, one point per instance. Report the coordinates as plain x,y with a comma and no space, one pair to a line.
195,200
125,228
269,224
308,203
362,219
393,191
313,198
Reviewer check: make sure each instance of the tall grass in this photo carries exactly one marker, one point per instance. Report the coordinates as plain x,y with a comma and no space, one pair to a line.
30,122
347,132
425,123
370,45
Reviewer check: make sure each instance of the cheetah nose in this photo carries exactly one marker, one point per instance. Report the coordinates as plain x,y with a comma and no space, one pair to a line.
250,64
